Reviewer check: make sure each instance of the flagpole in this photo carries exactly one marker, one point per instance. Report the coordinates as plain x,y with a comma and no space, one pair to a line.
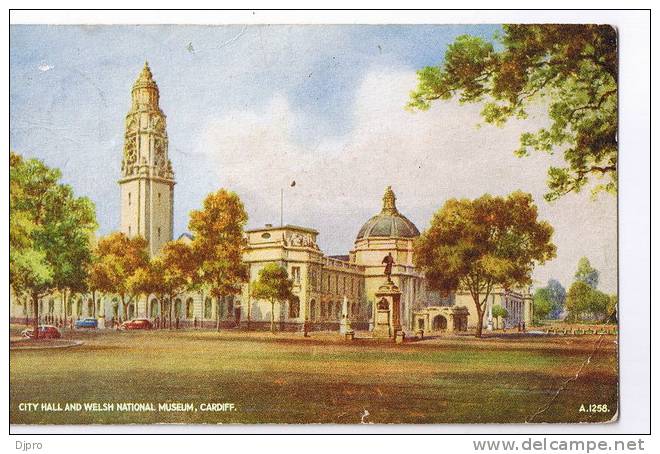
281,207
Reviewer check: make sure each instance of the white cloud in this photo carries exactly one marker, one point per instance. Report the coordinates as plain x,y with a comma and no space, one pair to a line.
427,157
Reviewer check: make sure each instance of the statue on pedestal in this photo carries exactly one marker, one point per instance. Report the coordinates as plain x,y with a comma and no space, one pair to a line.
388,261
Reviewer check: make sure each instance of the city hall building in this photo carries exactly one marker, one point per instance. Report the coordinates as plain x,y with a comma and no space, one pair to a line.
327,288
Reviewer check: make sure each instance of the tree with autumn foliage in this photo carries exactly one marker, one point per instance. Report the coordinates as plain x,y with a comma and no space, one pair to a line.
218,242
274,286
168,274
478,245
571,68
118,259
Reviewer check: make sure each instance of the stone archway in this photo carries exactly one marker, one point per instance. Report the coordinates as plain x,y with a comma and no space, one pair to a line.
153,310
208,308
439,323
190,308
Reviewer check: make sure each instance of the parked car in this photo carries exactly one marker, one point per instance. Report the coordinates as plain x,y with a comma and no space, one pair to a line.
45,332
136,323
86,323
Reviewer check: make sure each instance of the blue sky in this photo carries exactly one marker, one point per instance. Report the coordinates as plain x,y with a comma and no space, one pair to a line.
311,97
72,115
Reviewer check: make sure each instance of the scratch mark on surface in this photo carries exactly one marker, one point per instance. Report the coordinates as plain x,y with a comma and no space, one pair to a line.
190,48
364,416
43,67
567,381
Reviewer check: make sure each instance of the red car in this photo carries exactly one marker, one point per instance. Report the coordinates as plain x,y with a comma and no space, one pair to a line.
45,332
137,323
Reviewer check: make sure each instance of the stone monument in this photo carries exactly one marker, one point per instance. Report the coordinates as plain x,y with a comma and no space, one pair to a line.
387,310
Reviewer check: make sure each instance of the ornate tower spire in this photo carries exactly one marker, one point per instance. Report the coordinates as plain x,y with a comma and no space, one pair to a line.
389,202
147,180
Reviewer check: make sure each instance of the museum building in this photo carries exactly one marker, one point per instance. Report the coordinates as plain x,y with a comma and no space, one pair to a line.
328,289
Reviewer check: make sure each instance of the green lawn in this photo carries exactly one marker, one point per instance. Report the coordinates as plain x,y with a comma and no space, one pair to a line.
286,378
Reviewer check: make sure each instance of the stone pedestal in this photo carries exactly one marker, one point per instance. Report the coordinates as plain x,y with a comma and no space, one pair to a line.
101,322
387,311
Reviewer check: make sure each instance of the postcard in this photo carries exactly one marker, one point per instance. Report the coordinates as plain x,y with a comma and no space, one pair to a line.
313,224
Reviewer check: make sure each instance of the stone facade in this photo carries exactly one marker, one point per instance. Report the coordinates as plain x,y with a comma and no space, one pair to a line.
147,179
325,286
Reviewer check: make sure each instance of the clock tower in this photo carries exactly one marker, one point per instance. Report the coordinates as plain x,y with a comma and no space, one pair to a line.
147,179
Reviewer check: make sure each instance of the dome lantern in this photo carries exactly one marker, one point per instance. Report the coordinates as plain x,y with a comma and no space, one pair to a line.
389,223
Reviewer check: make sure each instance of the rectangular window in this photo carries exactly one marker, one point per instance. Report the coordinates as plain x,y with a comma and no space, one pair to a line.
159,233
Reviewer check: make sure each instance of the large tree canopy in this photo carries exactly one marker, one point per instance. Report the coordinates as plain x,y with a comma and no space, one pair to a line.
118,259
587,273
50,232
478,245
274,286
573,68
218,244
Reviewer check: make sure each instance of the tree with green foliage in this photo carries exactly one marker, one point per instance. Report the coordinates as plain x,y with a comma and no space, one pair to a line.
586,273
478,245
585,303
542,304
218,244
50,232
119,259
273,285
499,313
571,67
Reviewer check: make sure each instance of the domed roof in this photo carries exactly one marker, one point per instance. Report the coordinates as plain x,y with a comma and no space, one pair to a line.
389,222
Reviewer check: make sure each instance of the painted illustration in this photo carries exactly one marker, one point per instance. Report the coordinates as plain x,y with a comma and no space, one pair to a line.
339,224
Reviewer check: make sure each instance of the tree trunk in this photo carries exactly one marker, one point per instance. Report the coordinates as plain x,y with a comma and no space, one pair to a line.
480,316
35,321
272,317
171,308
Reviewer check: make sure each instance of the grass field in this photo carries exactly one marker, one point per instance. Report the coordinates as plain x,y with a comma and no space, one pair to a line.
286,378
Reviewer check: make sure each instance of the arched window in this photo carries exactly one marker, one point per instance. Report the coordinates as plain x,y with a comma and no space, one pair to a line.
51,306
79,306
294,308
338,310
154,308
207,308
353,309
322,309
178,310
190,307
230,307
90,307
115,308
